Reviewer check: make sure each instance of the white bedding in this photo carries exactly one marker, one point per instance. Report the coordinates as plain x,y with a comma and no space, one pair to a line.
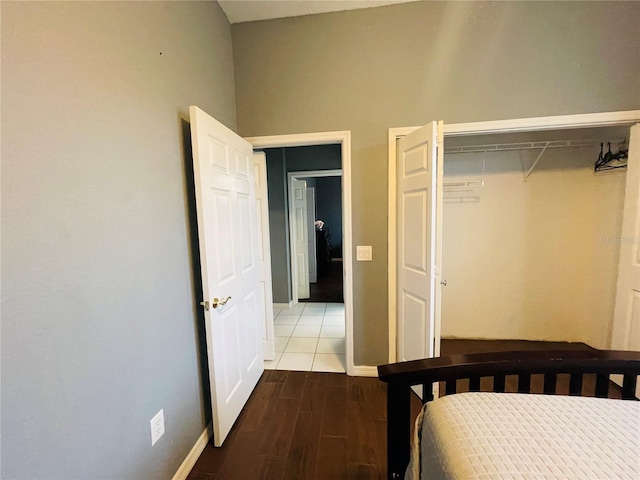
511,436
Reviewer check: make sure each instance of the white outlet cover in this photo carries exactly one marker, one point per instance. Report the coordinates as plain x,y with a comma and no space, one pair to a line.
157,427
363,253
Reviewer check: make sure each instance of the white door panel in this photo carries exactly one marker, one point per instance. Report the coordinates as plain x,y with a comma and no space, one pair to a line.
299,197
264,253
625,333
311,235
419,236
227,230
414,311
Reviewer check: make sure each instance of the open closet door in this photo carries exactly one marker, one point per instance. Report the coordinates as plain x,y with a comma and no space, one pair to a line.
626,321
419,227
227,232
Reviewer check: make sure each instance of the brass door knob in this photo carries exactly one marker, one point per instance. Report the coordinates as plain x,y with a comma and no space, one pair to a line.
216,302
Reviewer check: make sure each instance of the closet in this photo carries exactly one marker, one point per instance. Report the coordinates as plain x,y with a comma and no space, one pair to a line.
504,230
532,233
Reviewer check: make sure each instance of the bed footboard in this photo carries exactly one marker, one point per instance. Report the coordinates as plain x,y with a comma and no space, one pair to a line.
400,377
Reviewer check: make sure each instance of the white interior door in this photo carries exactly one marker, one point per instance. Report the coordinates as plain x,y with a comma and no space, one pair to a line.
311,234
299,224
625,333
228,235
264,253
419,240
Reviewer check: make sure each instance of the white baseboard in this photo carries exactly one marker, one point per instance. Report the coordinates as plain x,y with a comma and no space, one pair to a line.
283,305
365,371
193,455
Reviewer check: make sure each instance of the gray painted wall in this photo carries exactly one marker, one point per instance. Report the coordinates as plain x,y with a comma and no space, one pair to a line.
329,209
315,157
99,324
281,161
278,225
402,65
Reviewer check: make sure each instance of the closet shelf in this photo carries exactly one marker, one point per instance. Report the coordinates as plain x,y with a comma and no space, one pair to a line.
504,147
538,145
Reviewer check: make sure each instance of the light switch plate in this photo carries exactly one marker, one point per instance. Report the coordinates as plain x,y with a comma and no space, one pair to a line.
363,253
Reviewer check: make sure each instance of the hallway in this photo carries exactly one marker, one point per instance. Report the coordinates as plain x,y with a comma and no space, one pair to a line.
309,337
329,287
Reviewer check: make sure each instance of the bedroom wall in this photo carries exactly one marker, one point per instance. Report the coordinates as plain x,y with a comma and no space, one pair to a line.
531,260
402,65
99,254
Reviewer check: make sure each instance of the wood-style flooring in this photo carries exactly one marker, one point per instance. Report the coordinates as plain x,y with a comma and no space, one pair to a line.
324,426
304,425
328,288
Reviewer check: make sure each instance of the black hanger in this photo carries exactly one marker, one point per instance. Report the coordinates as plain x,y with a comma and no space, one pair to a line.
604,159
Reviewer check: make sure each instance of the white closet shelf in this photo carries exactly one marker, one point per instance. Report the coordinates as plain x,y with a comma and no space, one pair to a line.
504,147
538,145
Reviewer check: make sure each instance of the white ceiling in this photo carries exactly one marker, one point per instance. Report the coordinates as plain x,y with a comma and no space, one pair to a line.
239,11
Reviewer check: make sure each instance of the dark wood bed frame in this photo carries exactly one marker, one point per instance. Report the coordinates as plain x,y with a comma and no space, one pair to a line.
400,377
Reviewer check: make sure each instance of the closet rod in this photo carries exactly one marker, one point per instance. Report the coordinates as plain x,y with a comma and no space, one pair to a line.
503,147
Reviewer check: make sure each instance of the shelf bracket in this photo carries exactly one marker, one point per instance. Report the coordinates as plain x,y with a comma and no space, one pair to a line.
535,162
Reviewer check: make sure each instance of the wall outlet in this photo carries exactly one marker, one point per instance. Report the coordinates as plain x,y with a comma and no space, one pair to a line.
157,427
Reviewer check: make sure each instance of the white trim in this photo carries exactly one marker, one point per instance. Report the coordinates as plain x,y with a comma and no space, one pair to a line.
533,124
192,457
394,134
299,139
365,371
336,172
324,138
544,123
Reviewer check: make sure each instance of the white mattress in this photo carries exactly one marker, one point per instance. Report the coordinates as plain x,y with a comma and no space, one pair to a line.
511,436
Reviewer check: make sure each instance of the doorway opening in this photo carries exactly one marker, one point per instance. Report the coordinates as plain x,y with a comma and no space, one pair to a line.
315,232
307,333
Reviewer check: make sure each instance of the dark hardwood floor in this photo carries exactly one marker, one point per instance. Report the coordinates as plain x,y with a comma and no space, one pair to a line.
304,425
323,426
455,346
328,288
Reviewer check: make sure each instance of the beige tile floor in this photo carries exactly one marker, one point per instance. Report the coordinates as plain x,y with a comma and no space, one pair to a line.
309,337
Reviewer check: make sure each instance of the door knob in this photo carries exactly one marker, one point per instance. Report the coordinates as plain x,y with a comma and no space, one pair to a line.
216,302
443,283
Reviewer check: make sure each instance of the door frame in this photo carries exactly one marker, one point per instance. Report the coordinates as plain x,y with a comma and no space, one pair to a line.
533,124
343,138
300,175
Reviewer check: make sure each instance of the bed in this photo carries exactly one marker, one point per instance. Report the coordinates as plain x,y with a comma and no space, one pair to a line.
493,434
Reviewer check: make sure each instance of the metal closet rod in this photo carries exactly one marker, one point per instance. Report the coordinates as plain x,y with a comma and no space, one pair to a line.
503,147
